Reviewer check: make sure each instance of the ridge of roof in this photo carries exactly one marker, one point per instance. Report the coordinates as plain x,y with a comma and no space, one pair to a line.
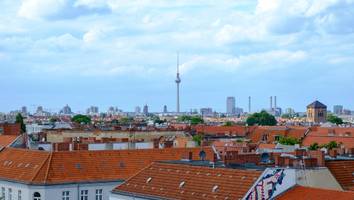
39,169
47,171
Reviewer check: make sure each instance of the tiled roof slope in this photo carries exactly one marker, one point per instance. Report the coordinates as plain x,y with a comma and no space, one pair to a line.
325,135
6,140
343,171
316,104
307,193
179,181
41,167
223,130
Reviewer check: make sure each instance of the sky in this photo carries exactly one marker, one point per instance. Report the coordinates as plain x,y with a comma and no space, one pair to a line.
123,53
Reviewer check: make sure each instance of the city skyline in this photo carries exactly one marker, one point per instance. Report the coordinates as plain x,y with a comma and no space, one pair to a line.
103,53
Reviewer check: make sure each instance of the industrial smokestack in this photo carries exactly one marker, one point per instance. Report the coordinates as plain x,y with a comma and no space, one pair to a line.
271,103
275,102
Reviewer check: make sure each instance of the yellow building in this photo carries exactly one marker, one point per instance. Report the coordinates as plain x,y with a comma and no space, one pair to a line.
316,112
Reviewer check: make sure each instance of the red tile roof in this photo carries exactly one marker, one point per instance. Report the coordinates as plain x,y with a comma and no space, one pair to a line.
307,193
343,171
222,130
6,140
345,136
42,167
179,181
271,131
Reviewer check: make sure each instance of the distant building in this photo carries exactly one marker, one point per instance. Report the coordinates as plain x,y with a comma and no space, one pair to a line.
290,111
338,109
206,112
316,112
93,110
24,111
137,110
230,105
165,109
41,113
238,111
66,110
146,110
346,112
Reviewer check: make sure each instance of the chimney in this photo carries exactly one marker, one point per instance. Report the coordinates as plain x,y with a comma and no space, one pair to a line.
190,156
271,103
275,102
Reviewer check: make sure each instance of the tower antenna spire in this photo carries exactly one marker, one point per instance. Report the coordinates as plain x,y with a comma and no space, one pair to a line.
178,81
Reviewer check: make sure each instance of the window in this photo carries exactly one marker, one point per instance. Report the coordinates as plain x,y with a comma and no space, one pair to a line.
36,196
19,195
84,195
99,194
66,195
3,193
9,195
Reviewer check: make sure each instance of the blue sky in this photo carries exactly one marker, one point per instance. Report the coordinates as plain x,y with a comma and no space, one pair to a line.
123,53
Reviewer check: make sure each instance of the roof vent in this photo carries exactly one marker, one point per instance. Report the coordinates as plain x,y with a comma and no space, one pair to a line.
148,180
243,177
182,184
215,188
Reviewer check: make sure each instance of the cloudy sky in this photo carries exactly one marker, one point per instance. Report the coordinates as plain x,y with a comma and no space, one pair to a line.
123,53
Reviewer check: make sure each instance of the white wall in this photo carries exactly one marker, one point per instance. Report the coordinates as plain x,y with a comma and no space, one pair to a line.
54,192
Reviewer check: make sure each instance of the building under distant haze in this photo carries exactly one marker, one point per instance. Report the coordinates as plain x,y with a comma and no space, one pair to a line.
338,109
230,105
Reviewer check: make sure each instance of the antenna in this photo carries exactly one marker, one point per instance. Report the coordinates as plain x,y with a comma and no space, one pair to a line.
177,62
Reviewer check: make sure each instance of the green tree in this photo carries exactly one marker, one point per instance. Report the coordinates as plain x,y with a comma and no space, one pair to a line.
288,141
81,119
126,120
198,139
194,120
228,123
19,119
53,119
332,145
314,146
263,118
334,119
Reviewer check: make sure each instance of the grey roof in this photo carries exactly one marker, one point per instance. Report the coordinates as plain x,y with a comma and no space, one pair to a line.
317,104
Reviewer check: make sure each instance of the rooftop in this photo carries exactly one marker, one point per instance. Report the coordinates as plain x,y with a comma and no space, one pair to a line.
180,181
45,168
316,104
301,192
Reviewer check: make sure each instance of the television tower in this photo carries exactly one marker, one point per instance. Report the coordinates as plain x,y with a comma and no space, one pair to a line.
178,81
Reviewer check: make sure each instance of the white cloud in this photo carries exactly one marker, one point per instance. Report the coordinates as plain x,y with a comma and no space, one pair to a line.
251,63
36,9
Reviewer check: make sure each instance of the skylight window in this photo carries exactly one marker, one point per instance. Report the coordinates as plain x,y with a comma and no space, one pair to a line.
182,184
148,180
215,188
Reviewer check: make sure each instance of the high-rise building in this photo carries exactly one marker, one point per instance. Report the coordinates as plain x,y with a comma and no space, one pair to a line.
178,81
230,105
165,109
338,109
146,110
